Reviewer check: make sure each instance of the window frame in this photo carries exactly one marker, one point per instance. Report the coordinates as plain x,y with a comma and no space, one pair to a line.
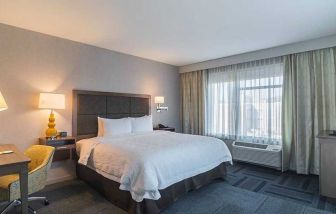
269,112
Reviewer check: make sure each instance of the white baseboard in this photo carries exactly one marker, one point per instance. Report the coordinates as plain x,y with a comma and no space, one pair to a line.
61,179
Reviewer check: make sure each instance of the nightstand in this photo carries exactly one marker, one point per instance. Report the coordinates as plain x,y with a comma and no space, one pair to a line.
65,147
171,129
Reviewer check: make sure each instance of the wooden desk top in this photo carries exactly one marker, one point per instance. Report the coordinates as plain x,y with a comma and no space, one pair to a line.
326,134
14,158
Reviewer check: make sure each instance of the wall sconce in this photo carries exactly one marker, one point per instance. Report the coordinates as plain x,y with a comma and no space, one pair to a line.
159,100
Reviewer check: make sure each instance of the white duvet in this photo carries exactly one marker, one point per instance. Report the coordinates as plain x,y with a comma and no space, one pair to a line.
145,163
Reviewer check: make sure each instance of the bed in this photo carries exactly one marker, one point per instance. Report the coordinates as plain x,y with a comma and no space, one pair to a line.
142,172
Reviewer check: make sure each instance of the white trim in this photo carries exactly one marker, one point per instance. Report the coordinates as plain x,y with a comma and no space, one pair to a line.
313,44
61,179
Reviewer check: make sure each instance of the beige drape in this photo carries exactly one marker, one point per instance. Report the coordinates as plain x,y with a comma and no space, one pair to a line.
308,106
193,102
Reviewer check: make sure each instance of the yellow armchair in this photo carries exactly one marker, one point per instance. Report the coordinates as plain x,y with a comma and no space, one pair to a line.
41,158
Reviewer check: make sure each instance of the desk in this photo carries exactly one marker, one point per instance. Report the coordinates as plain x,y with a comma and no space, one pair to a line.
327,164
16,163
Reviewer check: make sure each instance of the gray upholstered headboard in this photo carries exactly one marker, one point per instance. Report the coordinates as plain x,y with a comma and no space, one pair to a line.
87,105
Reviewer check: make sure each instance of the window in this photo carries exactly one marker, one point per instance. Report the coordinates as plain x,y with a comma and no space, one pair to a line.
244,102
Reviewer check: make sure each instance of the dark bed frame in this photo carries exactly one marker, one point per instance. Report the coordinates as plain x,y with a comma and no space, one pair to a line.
87,105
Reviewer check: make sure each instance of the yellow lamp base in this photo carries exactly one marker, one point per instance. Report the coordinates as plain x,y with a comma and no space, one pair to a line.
51,131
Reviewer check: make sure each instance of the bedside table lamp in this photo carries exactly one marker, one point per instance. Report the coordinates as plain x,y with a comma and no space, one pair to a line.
51,101
3,105
159,100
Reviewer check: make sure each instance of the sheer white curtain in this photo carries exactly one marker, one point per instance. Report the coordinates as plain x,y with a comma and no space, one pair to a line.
244,101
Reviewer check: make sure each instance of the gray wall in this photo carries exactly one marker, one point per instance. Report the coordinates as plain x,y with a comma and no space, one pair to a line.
31,63
314,44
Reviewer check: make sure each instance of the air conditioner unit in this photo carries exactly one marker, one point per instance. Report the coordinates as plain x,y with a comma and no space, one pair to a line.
262,154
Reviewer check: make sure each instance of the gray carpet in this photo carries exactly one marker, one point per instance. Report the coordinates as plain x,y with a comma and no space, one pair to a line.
302,189
219,197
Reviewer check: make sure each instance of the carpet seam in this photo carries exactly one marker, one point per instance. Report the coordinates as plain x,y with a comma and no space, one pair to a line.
261,204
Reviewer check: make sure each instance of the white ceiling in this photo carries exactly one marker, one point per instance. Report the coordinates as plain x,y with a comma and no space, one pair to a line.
176,32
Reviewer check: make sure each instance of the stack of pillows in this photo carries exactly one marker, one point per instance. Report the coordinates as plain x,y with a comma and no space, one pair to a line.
113,127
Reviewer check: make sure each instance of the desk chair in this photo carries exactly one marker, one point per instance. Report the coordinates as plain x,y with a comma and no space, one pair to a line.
41,158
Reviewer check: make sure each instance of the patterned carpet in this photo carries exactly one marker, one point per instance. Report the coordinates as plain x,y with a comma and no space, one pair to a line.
220,197
290,186
248,189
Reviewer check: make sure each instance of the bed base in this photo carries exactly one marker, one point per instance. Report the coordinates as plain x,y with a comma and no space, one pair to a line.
122,199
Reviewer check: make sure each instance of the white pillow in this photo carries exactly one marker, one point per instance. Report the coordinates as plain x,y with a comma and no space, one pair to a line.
100,127
142,124
114,127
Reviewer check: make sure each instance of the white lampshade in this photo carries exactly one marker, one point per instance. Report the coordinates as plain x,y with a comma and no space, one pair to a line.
159,100
3,105
52,101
